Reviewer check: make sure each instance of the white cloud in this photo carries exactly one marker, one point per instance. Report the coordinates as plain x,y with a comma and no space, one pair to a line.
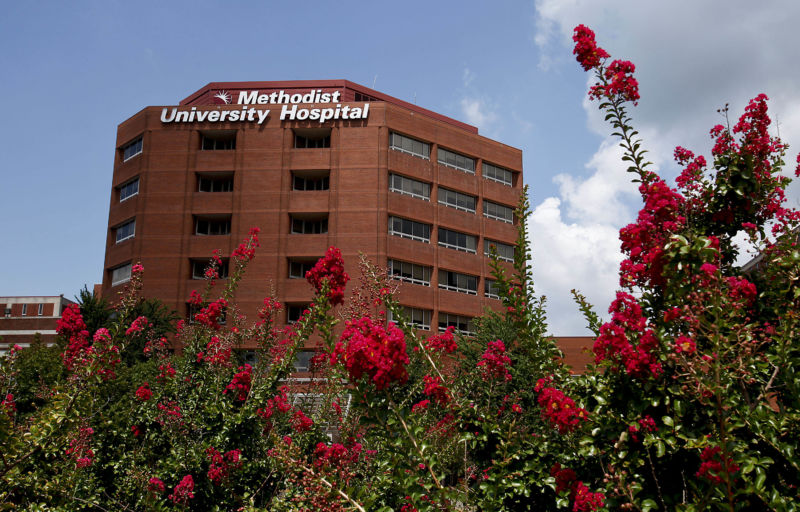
692,58
477,113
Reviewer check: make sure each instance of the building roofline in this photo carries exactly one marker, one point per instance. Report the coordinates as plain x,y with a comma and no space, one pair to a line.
331,84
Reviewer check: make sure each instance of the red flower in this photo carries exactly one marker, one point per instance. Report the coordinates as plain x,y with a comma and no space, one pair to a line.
435,390
558,409
183,492
330,269
247,249
155,485
494,362
210,315
240,384
714,464
516,408
8,405
137,325
301,422
144,393
368,348
685,345
420,406
586,501
586,51
444,342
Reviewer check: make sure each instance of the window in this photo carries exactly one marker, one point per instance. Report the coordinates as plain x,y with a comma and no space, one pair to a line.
410,229
24,309
410,272
302,362
494,173
457,241
456,161
312,138
248,357
126,230
409,187
131,149
298,269
411,146
456,282
215,182
210,227
218,140
463,324
498,212
295,312
310,180
129,189
199,269
417,318
41,310
8,312
505,252
121,274
490,289
456,200
309,226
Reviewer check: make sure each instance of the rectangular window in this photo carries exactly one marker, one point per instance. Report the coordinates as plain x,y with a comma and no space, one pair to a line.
410,272
131,149
410,229
505,252
24,310
126,230
409,187
8,312
295,312
215,182
309,226
455,282
129,189
41,310
490,289
408,145
463,324
199,269
456,160
218,140
458,241
312,139
298,269
498,174
417,318
498,212
308,181
302,361
121,274
211,227
457,200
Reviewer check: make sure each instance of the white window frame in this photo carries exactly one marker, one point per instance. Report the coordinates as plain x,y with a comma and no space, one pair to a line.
488,285
498,208
425,146
410,236
490,172
125,270
457,247
118,230
457,288
443,200
424,324
41,310
414,266
445,153
405,180
124,186
486,252
24,310
132,144
447,316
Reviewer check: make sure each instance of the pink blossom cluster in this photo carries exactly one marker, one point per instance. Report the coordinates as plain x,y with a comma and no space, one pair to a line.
79,448
210,315
8,405
583,500
330,269
183,492
279,402
144,393
169,414
140,324
155,485
494,363
241,382
559,409
644,240
685,345
586,51
367,347
444,342
217,353
713,464
694,167
246,250
615,342
644,424
72,327
300,422
434,389
619,82
740,289
222,465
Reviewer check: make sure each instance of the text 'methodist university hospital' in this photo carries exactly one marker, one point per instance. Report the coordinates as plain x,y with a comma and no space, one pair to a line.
314,164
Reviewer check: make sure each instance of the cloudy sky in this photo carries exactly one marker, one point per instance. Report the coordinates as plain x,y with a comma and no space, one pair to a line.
75,70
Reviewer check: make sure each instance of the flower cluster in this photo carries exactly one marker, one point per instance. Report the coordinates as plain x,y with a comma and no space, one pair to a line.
366,347
685,345
336,454
494,362
615,341
169,414
183,492
72,327
444,342
247,249
619,82
79,448
559,409
434,389
300,422
740,289
211,315
155,485
217,353
583,499
714,464
330,269
240,384
8,405
279,402
144,393
138,325
221,465
105,353
586,51
644,424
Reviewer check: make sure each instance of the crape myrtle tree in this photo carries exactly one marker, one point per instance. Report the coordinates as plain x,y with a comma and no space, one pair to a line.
691,405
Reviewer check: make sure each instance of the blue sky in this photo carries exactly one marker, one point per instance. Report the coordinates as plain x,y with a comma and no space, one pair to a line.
76,70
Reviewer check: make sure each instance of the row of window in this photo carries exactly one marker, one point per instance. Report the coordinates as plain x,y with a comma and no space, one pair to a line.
449,198
448,280
449,158
421,232
40,310
421,319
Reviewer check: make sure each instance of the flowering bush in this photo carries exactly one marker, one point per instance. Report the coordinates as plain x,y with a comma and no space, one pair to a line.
692,402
